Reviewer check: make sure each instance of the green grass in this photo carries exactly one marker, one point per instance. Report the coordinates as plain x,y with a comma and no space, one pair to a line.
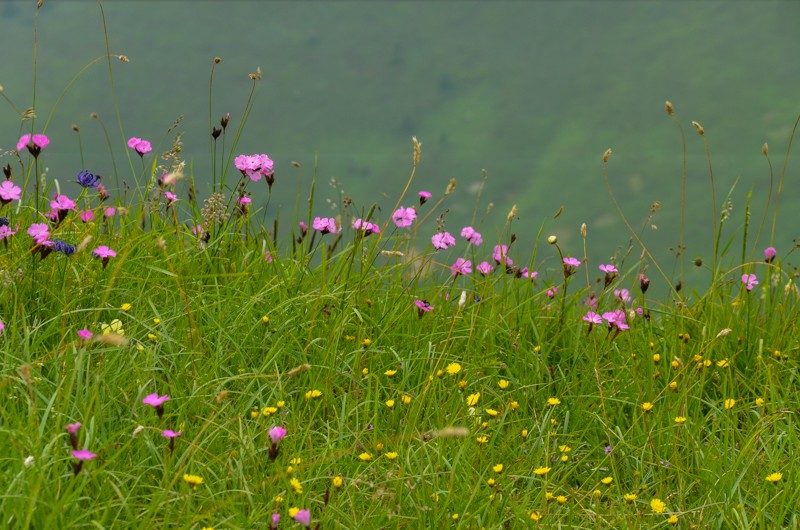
499,408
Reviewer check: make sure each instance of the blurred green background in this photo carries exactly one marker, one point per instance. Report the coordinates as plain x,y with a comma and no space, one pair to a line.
534,92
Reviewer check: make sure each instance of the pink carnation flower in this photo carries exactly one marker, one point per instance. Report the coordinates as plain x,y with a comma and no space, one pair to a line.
404,217
443,240
39,141
139,145
9,192
104,252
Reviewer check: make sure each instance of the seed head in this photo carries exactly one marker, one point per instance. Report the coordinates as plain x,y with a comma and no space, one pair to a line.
123,58
583,230
765,149
670,109
217,60
699,128
451,187
606,155
417,149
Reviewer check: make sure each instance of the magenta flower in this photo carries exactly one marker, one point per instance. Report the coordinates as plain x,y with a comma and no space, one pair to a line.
34,143
500,255
140,146
552,292
572,262
85,334
244,201
5,231
267,257
104,253
83,454
750,281
622,295
326,225
9,192
484,268
255,167
423,197
644,283
40,232
461,266
616,319
592,318
2,326
404,217
608,269
87,216
109,211
171,435
276,434
171,197
471,235
275,520
367,228
154,400
62,202
303,517
525,273
769,252
72,429
423,306
443,240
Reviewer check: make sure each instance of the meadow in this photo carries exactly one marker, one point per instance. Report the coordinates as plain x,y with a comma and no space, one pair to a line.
180,357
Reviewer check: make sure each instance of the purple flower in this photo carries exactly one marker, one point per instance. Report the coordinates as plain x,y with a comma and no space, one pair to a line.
461,266
500,255
83,454
484,268
326,225
607,449
471,235
276,434
404,217
9,192
140,146
750,281
443,240
303,517
769,254
88,179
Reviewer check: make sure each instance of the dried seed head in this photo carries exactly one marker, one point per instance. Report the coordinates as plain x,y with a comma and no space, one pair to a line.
513,213
83,244
295,164
93,115
583,230
258,73
39,4
75,128
217,60
489,208
606,155
123,58
765,149
670,108
417,149
252,76
451,187
29,114
1,88
699,128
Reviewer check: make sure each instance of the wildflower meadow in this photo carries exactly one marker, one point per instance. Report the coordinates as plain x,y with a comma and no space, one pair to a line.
176,352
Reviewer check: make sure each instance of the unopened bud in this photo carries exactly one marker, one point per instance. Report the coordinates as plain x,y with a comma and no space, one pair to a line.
699,128
552,240
765,149
583,230
75,128
669,107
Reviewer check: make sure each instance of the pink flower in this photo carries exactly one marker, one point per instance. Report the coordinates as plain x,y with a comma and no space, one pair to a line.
424,196
750,281
83,454
592,318
461,266
404,217
171,197
9,192
255,167
500,255
623,295
608,269
368,228
443,240
62,202
85,334
484,268
572,262
139,145
87,216
72,428
40,232
245,201
275,520
34,143
303,227
154,400
552,292
170,434
471,235
2,326
5,231
326,225
276,434
109,211
303,517
769,252
104,252
528,274
616,319
267,257
423,306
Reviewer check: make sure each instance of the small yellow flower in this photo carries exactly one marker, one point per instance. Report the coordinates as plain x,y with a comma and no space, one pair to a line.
296,486
553,401
672,519
349,337
541,471
729,403
406,399
607,480
537,349
295,461
379,446
126,307
289,470
192,480
152,336
453,368
652,346
268,411
564,458
491,482
439,373
680,420
156,321
253,414
492,412
760,402
389,373
564,448
115,327
265,319
707,363
455,517
503,384
278,499
365,371
536,516
524,433
365,343
311,394
514,405
207,528
390,403
724,363
656,357
675,364
280,404
561,499
498,468
647,406
673,385
293,511
630,497
548,496
365,457
774,477
481,439
657,505
337,481
391,455
597,493
472,399
462,384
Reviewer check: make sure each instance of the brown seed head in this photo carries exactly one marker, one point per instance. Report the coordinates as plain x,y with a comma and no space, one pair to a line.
607,155
670,108
217,60
583,230
417,149
699,128
75,128
513,213
93,115
450,187
124,58
765,149
295,164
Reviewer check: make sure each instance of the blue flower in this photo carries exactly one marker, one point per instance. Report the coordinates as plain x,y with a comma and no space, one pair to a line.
62,246
3,221
87,179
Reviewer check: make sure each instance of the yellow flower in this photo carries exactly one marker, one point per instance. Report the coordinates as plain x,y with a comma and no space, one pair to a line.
379,446
267,411
492,412
365,457
126,307
280,404
152,336
192,480
156,321
672,519
462,384
656,357
657,505
541,470
514,405
391,455
365,343
524,433
311,394
675,364
630,497
724,363
455,517
390,403
349,337
647,406
564,458
365,371
491,482
207,528
289,470
536,516
389,373
253,414
293,511
673,385
295,461
453,368
337,481
296,486
537,349
760,402
774,477
472,399
564,448
498,468
115,327
597,493
278,499
553,401
265,319
481,439
405,398
503,384
561,499
680,420
729,403
607,480
548,496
